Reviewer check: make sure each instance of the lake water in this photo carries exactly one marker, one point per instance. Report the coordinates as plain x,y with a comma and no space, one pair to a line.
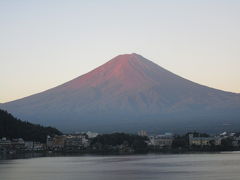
135,167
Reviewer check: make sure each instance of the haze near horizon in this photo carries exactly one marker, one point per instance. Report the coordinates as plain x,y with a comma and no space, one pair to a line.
44,44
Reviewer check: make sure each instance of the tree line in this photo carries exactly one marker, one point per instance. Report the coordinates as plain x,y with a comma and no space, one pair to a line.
11,127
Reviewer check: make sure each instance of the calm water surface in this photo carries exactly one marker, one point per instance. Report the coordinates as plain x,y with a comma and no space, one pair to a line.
136,167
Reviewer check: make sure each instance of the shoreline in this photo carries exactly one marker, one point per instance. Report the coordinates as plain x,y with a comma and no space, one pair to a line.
30,155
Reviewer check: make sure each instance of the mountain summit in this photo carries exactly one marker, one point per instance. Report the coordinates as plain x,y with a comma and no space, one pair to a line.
129,93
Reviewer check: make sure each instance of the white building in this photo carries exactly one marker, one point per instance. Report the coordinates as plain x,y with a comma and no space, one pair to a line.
162,140
142,133
91,134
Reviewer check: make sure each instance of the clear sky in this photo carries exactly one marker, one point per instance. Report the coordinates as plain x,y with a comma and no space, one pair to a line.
46,43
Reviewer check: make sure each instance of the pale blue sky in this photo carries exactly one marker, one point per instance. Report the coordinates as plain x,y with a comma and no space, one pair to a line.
46,43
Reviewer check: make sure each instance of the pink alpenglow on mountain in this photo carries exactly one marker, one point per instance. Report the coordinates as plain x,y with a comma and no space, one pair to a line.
129,93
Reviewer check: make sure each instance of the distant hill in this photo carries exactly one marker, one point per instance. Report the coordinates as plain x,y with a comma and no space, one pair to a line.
130,93
11,127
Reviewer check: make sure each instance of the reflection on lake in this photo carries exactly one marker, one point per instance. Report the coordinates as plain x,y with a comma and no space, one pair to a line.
135,167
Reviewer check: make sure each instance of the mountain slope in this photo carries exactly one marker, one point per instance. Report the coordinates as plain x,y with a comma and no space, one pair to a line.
129,93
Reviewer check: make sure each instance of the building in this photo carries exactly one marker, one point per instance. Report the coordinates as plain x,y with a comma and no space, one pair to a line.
29,145
37,146
235,141
18,144
75,143
204,141
142,133
49,142
91,134
70,143
58,143
5,145
162,140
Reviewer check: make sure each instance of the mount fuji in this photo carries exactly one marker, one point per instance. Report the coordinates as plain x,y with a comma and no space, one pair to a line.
130,93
